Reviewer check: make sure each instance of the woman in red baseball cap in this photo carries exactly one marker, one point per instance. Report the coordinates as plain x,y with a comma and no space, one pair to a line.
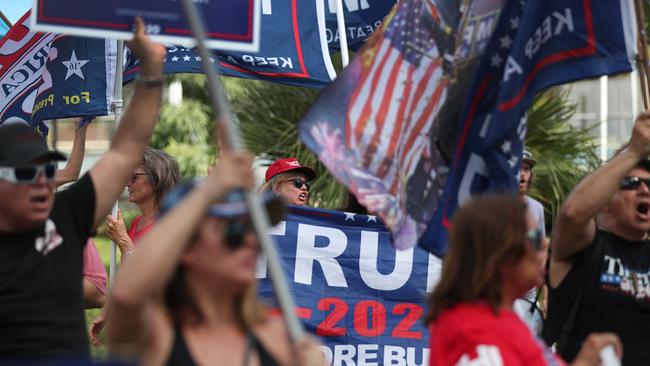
289,180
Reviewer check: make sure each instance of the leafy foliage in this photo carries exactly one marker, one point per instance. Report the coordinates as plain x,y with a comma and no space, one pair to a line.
185,131
268,117
564,153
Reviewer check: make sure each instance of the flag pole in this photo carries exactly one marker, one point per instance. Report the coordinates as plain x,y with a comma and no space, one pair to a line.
4,19
117,110
642,57
232,141
343,37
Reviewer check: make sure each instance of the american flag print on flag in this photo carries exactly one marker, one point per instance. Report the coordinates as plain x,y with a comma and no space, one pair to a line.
372,127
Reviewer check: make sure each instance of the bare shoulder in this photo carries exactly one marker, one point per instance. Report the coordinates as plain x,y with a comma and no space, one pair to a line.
273,334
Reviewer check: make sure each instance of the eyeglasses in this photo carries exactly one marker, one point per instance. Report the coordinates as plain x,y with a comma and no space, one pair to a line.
536,237
134,176
633,182
27,173
298,182
235,233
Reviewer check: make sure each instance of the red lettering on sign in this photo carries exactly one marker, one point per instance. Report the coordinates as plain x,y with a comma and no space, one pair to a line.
413,314
370,318
328,326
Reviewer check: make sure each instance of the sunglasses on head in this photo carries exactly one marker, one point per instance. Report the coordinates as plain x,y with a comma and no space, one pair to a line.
235,233
536,238
27,173
298,182
633,182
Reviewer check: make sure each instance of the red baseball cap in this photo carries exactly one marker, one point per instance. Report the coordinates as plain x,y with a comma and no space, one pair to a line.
288,164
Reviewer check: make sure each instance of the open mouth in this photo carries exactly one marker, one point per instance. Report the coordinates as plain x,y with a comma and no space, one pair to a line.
642,208
38,199
302,196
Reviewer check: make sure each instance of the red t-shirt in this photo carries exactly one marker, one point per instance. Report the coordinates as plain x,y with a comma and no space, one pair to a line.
136,234
471,334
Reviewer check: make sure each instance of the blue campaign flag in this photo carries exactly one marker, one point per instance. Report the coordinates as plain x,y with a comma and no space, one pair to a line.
78,79
232,25
535,45
352,288
45,76
293,49
362,17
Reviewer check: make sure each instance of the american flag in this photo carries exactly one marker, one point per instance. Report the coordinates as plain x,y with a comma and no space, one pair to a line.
23,55
400,91
372,128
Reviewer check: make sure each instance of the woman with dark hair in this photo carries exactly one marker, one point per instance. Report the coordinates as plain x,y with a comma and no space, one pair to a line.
156,174
493,259
187,296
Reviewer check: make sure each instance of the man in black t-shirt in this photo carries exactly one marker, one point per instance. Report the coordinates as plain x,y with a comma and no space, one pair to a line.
42,235
600,255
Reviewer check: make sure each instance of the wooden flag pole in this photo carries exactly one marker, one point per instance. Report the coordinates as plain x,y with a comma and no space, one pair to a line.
232,141
642,57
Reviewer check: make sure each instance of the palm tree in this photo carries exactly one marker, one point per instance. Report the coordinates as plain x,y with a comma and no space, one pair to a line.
564,153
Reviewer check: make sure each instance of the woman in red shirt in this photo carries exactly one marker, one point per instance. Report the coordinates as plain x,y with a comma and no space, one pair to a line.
493,259
152,179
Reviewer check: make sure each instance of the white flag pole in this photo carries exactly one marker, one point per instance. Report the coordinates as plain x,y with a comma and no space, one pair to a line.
117,110
232,140
343,37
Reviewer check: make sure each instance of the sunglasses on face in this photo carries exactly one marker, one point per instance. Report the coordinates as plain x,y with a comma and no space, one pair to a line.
536,238
235,233
633,182
298,182
135,176
27,173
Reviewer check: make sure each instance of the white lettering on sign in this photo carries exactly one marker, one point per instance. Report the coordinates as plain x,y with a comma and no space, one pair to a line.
367,355
552,26
369,267
307,253
512,67
324,245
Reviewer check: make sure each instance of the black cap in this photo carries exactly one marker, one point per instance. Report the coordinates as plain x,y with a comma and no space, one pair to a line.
20,144
527,157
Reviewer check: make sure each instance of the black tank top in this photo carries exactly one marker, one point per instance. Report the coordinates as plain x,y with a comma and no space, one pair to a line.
616,297
180,354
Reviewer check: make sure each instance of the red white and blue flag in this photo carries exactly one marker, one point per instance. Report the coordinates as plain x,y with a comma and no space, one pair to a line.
372,127
535,45
46,76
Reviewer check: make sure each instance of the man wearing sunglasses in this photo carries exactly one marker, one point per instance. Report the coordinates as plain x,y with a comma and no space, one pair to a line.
600,256
289,180
42,235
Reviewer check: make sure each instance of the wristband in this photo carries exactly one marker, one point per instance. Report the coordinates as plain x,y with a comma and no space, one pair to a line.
150,81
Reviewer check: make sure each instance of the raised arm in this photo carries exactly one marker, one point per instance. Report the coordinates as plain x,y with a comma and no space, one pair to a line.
575,226
111,173
150,267
70,172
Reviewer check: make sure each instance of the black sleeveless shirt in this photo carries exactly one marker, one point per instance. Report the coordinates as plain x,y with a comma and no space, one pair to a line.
616,297
180,354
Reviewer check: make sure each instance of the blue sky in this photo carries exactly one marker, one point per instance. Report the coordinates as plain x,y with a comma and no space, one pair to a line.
14,9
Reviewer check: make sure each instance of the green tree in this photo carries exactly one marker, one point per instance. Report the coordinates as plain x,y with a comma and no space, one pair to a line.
185,131
564,153
268,116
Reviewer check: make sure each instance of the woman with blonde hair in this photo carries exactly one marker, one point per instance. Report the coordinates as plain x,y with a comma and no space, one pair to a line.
187,294
289,180
493,259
